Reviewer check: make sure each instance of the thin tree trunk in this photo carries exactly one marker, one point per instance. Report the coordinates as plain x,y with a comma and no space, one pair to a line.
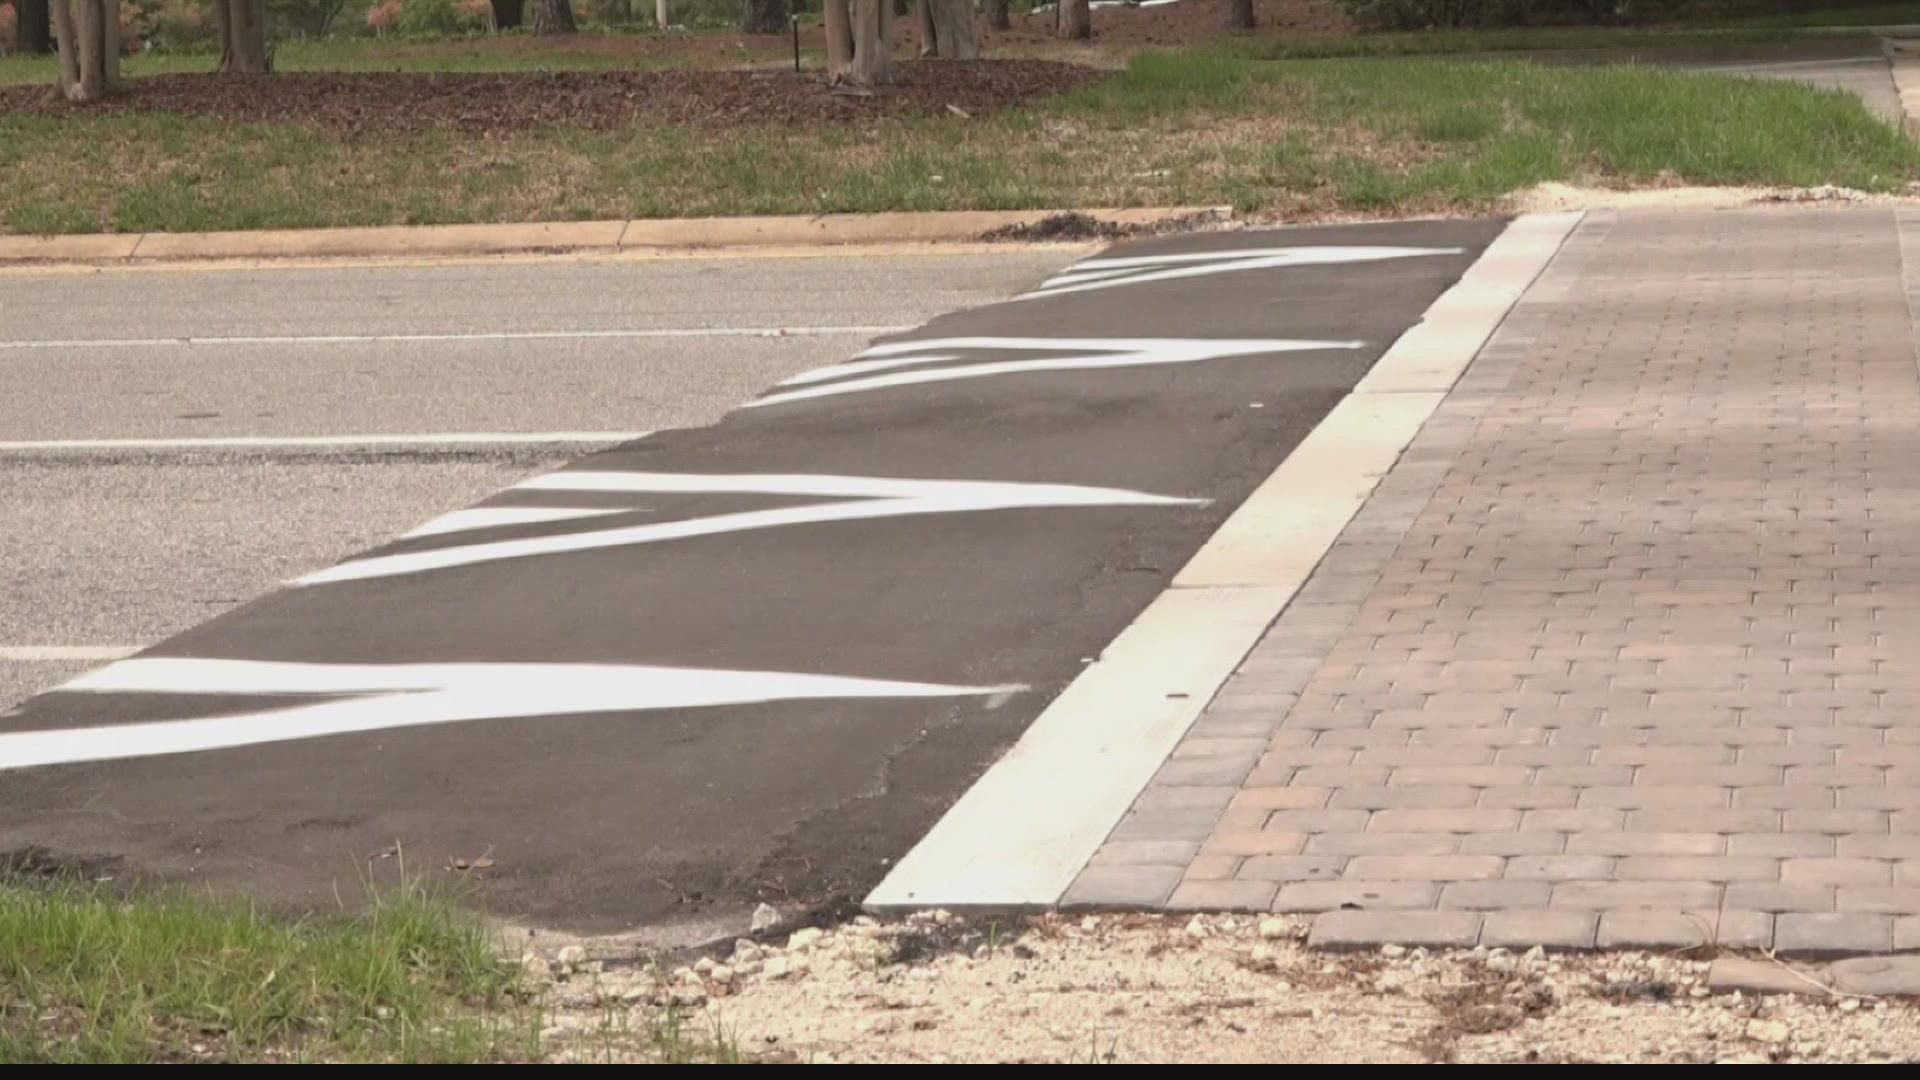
998,15
764,17
506,13
242,29
89,47
839,26
1074,19
660,14
1240,15
871,21
857,41
554,17
929,36
948,30
34,31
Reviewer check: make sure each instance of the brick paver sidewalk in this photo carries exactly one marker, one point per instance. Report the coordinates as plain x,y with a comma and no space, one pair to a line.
1625,651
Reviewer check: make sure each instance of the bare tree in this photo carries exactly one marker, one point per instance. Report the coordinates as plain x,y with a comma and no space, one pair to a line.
998,15
241,26
89,33
764,17
857,36
948,30
1074,19
507,13
1240,15
34,32
554,17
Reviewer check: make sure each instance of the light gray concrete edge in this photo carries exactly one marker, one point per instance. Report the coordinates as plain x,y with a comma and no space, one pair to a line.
1022,834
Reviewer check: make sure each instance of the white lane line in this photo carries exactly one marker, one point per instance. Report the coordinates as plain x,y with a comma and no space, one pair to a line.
864,367
1116,353
528,335
1021,835
374,697
1090,274
333,442
40,654
864,498
493,517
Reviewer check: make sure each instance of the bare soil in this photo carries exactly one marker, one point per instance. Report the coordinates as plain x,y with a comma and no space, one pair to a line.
1144,988
395,103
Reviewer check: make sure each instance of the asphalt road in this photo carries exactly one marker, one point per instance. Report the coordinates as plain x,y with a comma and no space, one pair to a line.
108,548
746,661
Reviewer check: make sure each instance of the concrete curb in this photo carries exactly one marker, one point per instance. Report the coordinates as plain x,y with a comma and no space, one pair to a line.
1903,55
1021,835
416,241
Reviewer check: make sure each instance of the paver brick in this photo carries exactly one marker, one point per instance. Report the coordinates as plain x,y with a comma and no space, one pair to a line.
1370,929
1629,615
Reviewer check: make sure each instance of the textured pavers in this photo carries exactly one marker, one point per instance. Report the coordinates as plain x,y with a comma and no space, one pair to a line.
1625,651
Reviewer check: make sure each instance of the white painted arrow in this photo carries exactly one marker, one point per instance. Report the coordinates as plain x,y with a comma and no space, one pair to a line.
1108,273
1083,354
373,697
860,497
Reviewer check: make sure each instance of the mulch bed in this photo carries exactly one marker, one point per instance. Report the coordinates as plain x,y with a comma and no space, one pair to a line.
400,104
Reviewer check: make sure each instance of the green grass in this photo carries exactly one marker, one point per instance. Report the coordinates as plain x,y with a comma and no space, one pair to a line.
86,976
1283,138
1522,39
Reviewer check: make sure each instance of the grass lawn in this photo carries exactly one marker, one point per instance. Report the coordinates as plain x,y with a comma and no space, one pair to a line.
1526,39
89,977
1203,127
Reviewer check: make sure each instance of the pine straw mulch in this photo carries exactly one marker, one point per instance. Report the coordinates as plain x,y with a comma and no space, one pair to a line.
401,104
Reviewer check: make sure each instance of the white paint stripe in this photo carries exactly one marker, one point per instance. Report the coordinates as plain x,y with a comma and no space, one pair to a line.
1021,835
1062,345
374,697
1172,267
31,654
528,335
493,517
329,442
1303,256
879,498
863,367
1151,352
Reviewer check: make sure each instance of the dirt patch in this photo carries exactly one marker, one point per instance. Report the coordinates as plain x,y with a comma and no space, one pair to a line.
1134,988
390,103
1074,225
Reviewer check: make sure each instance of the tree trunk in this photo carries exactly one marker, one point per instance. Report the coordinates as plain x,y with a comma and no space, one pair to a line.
1073,19
89,33
948,31
764,17
554,17
857,50
929,36
1240,15
34,31
506,13
660,14
998,15
241,26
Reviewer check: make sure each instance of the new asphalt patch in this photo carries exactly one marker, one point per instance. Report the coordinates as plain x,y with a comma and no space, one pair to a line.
752,661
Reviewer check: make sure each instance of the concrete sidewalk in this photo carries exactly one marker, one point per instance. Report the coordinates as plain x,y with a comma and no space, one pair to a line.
1623,652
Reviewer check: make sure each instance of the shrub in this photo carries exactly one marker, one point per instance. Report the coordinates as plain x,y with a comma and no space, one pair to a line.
175,24
438,17
383,15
